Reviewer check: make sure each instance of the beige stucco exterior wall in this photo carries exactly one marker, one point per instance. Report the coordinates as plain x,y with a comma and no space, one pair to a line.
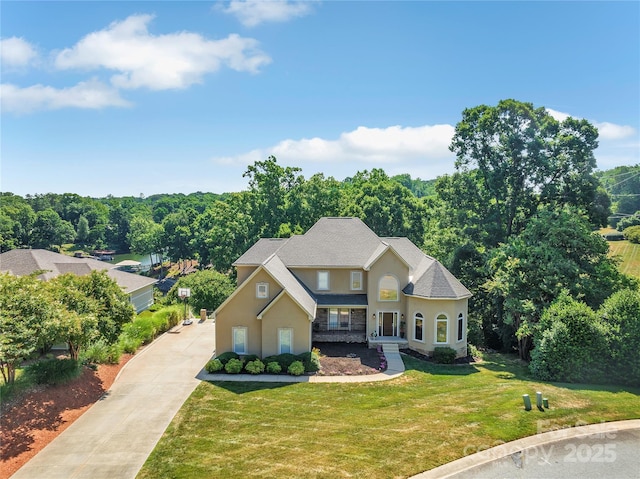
243,272
242,310
339,280
285,313
431,309
388,263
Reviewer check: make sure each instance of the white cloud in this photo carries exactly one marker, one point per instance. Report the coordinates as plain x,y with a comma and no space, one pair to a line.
158,62
254,12
16,52
606,130
405,149
611,131
90,95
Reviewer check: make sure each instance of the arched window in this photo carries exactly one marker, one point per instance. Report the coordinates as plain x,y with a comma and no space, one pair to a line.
388,288
442,327
460,327
418,327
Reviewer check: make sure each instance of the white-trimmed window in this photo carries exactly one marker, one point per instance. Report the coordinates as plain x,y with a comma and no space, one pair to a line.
388,288
239,340
323,280
285,340
442,329
339,319
356,280
460,326
262,290
418,327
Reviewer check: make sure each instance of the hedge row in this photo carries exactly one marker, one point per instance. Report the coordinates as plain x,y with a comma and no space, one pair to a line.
294,364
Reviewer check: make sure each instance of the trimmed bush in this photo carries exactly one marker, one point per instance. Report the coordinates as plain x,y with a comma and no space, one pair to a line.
254,367
249,357
225,357
311,361
273,368
614,236
233,366
296,368
55,371
444,355
213,366
284,360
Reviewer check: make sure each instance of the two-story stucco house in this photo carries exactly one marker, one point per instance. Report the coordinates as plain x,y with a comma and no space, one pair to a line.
340,282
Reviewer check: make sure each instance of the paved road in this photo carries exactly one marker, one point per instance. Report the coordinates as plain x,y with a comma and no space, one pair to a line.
609,450
116,435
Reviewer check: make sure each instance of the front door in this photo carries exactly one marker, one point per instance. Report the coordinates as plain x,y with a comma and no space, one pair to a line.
388,323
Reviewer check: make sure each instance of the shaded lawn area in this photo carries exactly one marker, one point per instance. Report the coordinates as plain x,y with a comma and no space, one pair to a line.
430,416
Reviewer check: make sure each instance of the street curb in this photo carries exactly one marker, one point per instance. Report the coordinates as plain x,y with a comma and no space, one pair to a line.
509,448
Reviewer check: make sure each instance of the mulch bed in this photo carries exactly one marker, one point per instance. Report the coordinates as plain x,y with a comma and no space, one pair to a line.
347,359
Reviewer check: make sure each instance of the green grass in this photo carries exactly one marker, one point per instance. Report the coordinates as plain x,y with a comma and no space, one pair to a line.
629,254
431,415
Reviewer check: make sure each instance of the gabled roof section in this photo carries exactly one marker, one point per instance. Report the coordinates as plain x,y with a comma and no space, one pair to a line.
22,262
434,281
260,251
276,268
331,243
409,252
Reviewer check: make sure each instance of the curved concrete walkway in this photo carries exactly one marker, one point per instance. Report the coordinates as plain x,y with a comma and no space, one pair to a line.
114,437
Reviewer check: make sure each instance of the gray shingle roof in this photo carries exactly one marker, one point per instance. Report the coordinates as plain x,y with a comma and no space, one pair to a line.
438,283
276,268
331,243
349,243
260,251
21,262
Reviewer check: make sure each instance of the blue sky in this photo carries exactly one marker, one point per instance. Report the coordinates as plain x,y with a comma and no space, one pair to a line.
130,98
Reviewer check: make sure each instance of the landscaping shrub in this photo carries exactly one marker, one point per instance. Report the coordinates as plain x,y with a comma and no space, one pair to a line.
444,355
311,361
274,368
632,233
296,368
233,366
254,367
225,357
129,344
214,366
100,352
55,371
569,343
473,351
249,357
284,360
614,236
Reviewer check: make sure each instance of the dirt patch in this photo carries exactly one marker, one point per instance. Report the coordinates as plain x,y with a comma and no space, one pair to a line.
347,359
33,419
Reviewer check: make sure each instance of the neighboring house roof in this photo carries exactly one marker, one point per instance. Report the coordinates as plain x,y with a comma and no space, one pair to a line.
21,262
349,243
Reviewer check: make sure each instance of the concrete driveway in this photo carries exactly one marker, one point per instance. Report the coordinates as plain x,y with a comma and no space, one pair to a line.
116,435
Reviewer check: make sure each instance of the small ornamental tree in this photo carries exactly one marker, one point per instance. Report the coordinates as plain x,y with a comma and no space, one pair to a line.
26,317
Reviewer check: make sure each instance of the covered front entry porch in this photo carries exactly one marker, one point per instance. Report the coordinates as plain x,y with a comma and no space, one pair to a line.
340,318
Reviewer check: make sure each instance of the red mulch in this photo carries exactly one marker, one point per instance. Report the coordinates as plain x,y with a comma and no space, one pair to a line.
32,420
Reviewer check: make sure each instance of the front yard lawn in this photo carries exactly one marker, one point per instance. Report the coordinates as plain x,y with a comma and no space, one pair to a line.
431,415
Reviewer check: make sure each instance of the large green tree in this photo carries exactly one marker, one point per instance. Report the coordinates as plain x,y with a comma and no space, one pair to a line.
556,252
525,158
145,235
50,230
209,289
